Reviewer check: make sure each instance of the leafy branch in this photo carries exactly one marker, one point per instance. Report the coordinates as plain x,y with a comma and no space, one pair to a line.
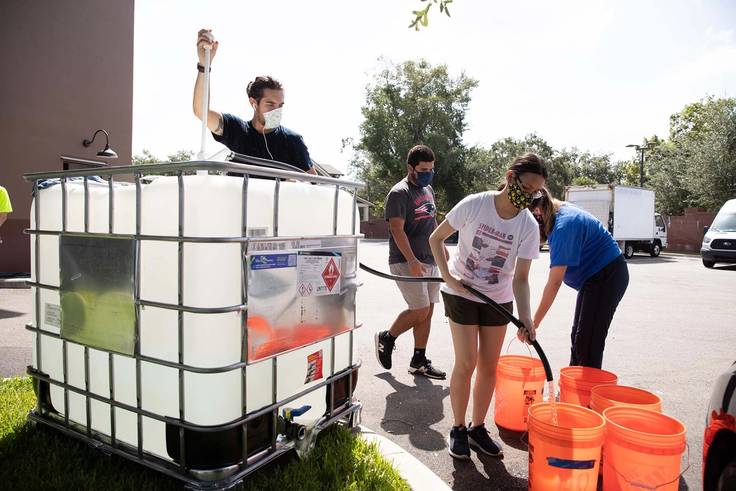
421,16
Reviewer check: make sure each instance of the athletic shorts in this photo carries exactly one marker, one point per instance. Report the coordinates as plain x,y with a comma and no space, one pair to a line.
467,312
417,295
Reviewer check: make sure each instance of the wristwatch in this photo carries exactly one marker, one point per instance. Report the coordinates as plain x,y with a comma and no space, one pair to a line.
200,68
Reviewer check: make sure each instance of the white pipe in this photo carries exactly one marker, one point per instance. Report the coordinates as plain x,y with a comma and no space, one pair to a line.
205,108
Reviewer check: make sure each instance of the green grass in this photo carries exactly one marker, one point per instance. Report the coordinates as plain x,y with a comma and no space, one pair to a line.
32,457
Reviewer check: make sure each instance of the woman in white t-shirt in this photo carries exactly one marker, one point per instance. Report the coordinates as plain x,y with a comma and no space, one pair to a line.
498,238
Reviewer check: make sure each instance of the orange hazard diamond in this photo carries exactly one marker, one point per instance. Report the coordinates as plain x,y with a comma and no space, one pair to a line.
331,274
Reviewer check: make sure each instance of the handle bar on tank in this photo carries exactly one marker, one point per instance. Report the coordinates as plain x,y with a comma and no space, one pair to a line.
508,315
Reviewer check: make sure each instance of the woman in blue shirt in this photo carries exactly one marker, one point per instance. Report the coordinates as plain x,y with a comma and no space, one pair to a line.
584,255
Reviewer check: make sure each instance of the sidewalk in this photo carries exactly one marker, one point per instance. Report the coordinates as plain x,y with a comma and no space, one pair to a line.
419,477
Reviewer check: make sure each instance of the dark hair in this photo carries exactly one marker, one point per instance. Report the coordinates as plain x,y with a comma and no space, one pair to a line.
419,153
529,162
548,206
256,87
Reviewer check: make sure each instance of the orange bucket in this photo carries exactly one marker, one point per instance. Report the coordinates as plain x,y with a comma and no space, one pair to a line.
566,455
604,396
642,449
519,383
576,382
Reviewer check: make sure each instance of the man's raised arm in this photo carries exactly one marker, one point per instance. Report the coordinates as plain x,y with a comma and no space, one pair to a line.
214,119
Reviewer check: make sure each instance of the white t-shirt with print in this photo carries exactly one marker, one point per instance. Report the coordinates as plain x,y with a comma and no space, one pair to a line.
488,246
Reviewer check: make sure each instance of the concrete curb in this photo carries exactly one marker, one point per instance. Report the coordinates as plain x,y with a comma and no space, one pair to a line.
411,469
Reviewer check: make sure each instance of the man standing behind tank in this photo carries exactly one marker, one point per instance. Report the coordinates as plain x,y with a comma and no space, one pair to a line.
262,136
410,212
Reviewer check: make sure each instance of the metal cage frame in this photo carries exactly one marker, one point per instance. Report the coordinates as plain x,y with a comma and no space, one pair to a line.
348,411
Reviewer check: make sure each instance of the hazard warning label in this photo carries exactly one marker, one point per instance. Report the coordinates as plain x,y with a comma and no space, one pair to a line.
318,274
314,367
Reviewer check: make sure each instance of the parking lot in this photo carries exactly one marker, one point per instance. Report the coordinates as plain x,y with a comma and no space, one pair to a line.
673,333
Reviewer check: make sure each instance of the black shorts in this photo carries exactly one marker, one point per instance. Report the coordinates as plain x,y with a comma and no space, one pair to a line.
470,313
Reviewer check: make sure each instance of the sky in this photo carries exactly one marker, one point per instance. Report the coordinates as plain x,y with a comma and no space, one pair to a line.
581,73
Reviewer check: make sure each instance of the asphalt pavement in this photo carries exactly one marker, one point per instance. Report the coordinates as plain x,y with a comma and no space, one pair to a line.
674,332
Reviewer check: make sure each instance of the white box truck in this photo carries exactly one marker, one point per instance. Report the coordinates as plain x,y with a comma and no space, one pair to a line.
625,211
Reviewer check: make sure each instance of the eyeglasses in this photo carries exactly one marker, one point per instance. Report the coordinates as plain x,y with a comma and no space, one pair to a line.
534,195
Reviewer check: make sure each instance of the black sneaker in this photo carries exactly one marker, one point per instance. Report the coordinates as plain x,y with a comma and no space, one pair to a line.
425,368
459,443
384,348
480,440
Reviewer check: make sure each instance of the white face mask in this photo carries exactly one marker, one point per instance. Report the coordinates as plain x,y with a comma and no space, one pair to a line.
272,118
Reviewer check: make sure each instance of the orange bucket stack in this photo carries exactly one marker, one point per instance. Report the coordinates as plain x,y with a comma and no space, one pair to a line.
519,384
565,455
576,383
605,396
642,449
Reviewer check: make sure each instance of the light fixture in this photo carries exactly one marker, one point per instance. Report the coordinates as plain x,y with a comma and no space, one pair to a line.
641,148
106,152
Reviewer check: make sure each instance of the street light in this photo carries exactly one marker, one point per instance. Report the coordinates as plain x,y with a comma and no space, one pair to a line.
640,148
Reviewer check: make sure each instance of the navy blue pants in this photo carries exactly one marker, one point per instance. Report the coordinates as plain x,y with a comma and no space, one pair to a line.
594,309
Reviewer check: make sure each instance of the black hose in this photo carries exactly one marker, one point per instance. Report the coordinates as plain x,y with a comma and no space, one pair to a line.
508,315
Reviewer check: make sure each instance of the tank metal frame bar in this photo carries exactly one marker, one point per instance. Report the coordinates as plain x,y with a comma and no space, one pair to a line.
111,444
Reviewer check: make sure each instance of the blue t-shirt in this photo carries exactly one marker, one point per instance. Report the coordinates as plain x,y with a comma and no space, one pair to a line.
285,145
579,241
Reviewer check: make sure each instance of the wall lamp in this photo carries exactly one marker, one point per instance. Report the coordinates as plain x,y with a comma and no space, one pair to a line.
106,152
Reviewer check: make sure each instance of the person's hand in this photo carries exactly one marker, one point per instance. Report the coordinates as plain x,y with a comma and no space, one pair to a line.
206,38
454,283
527,334
416,268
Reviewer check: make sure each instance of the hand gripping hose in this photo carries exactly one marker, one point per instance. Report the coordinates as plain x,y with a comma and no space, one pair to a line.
498,308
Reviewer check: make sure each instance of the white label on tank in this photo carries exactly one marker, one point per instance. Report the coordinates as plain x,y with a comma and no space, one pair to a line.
318,274
53,315
269,246
310,244
256,231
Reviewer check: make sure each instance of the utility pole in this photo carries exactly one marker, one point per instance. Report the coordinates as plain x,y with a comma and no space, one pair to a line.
641,148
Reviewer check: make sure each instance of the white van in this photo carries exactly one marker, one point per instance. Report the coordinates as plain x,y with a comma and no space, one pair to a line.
719,242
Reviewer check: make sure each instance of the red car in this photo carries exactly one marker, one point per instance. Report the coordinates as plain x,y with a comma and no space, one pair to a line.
719,440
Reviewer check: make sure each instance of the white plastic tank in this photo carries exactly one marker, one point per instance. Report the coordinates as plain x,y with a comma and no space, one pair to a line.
211,277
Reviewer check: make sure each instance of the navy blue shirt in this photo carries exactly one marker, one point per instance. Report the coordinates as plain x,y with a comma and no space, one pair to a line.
579,241
285,145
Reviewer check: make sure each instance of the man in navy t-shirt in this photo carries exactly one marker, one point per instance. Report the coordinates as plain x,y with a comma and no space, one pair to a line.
262,136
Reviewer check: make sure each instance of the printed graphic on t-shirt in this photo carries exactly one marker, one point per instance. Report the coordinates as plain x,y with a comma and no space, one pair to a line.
490,251
425,208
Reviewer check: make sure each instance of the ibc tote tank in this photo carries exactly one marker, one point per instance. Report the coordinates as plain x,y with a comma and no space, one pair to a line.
178,316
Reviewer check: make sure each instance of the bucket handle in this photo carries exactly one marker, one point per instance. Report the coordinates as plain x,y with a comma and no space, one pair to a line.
649,487
531,355
513,338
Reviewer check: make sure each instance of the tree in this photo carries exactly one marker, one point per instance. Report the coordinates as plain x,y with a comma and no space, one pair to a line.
408,104
697,165
146,157
666,170
708,142
487,166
